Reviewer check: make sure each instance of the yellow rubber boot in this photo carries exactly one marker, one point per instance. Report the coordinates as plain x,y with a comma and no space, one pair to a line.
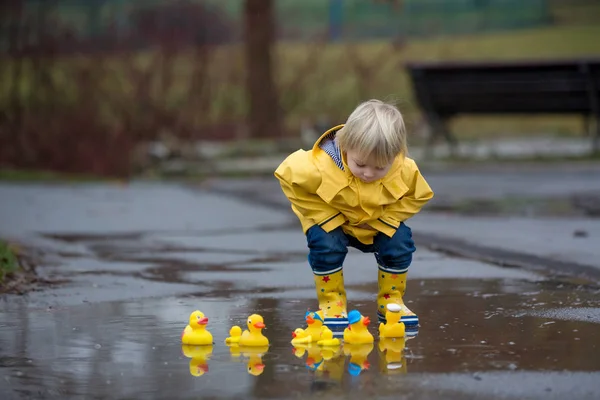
332,300
391,290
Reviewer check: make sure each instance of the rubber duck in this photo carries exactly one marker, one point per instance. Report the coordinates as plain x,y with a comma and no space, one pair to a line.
199,357
358,356
391,351
327,339
255,354
301,336
235,334
393,328
314,322
196,333
357,332
253,336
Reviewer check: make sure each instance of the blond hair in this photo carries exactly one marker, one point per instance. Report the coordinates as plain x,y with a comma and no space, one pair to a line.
374,128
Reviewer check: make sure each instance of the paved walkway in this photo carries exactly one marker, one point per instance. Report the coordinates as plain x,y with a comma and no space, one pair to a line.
560,244
134,261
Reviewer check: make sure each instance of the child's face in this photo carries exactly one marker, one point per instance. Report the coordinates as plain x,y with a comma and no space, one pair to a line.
365,168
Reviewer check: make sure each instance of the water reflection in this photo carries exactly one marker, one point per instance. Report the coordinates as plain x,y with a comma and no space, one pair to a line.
391,356
199,356
122,349
252,355
358,357
326,361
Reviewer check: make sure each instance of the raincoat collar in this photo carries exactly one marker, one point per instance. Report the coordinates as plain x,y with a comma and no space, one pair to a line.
334,179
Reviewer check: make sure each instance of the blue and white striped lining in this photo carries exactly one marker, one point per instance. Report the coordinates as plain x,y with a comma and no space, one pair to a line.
329,146
337,326
411,330
407,319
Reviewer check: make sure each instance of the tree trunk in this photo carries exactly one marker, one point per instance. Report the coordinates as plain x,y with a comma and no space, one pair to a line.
259,32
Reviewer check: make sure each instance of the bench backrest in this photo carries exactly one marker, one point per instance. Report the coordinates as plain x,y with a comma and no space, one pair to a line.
526,87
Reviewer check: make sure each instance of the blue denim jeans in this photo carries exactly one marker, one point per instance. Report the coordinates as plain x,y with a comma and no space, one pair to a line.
327,250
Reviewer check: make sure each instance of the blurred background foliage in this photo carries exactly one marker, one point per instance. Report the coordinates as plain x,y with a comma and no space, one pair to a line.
85,82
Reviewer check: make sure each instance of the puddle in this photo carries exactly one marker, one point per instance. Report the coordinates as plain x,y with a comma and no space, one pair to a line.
475,337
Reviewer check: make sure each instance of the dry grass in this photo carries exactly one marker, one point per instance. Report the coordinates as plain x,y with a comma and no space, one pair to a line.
329,80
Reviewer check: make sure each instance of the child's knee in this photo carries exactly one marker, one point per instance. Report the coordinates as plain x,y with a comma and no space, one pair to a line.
397,251
327,250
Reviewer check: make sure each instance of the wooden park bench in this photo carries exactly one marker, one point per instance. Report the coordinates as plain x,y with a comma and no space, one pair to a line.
444,90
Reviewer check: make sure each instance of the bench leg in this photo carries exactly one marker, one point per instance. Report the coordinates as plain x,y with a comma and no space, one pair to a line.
439,129
596,138
594,105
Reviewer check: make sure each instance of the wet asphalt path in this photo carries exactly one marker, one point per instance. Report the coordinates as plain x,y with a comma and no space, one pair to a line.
129,270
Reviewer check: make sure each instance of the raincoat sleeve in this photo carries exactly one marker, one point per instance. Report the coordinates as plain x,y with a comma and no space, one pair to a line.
408,205
300,179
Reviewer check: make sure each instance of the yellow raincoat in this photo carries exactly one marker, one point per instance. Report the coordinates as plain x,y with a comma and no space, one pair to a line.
321,193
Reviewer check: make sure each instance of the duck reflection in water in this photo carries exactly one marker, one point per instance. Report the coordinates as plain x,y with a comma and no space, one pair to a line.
199,356
391,356
358,357
324,361
252,355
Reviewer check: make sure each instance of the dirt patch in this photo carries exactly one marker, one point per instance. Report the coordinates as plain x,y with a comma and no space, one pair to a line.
20,277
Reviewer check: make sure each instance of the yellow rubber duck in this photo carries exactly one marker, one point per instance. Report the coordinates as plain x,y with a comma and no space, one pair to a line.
393,328
253,336
235,334
196,333
391,351
314,322
358,356
327,339
199,358
357,332
301,336
255,354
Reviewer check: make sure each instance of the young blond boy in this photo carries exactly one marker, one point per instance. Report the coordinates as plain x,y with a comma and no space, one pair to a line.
356,187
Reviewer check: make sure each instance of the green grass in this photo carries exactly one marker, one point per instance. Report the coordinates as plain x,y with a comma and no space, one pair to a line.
8,261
